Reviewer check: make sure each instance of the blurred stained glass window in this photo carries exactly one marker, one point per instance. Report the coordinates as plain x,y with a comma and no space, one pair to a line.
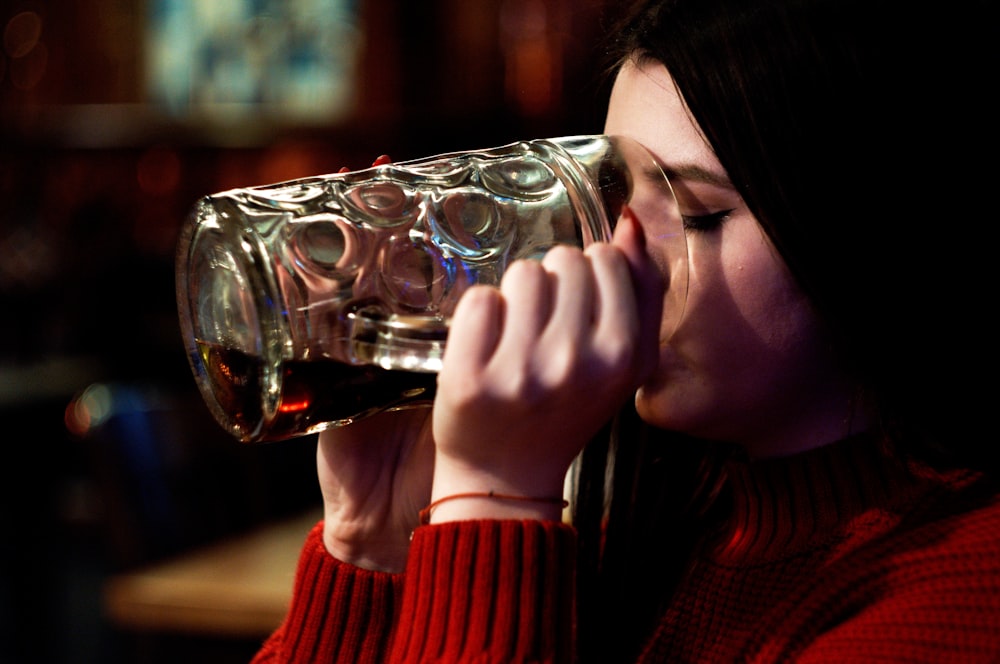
290,60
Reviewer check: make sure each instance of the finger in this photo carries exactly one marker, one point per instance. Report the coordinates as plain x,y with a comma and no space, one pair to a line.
618,334
381,160
647,281
615,304
527,297
630,238
475,329
573,313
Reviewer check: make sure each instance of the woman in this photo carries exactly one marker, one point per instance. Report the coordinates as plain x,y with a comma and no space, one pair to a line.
806,479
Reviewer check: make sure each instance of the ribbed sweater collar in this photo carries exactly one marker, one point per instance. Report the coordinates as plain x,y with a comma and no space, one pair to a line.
784,506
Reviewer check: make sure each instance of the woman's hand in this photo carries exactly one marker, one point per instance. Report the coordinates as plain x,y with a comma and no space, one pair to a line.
375,476
533,369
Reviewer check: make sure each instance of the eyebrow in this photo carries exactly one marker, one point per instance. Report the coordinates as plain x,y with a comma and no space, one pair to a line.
691,172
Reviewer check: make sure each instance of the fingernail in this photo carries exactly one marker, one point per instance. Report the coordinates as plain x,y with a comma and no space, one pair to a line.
382,160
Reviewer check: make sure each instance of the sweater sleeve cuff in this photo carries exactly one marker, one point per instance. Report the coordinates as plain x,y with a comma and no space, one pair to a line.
338,612
489,591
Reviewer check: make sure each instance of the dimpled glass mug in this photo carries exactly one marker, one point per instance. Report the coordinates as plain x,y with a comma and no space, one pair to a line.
315,302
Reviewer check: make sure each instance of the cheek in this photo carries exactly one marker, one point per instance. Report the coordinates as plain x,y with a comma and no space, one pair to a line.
741,334
768,306
742,288
730,298
747,315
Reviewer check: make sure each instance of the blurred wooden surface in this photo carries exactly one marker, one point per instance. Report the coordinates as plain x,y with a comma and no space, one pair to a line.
239,587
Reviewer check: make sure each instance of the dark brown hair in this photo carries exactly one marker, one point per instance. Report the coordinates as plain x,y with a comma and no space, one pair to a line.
861,135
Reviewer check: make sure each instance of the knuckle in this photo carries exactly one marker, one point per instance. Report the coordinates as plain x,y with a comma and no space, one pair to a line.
562,365
562,254
522,385
477,298
618,356
604,252
522,274
523,268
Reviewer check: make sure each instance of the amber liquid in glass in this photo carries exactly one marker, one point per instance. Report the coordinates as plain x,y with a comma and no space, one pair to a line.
313,393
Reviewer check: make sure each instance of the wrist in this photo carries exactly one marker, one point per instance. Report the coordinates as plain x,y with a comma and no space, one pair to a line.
351,544
460,492
493,505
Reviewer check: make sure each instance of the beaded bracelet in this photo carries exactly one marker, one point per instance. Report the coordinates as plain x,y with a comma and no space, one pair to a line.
425,514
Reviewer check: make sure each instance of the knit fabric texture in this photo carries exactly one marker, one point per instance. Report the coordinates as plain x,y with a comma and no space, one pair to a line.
839,554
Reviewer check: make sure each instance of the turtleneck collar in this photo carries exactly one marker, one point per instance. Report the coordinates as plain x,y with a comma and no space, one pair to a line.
783,506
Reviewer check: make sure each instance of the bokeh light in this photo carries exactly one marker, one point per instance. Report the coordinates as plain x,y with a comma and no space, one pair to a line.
89,409
22,34
29,57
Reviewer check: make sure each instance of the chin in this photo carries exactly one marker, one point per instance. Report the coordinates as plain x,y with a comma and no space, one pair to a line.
665,407
646,406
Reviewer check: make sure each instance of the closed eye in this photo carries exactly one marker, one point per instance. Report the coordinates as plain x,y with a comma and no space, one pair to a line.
705,223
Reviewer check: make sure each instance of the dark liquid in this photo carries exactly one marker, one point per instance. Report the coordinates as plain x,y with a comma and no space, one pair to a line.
312,393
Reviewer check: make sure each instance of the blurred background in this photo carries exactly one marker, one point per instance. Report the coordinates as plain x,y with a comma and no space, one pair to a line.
118,493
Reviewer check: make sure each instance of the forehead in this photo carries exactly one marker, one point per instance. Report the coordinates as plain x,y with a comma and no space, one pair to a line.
646,106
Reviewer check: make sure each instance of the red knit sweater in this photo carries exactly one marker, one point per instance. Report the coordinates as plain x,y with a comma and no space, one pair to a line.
836,555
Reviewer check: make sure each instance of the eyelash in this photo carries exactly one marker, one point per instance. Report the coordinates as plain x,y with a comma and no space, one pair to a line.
705,223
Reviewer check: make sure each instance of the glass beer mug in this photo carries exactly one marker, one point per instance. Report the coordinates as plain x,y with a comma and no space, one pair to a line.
315,302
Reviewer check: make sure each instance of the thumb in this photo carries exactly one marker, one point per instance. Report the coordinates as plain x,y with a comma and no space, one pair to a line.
647,280
630,238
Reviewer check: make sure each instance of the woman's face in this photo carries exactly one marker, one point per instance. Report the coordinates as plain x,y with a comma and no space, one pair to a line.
748,363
